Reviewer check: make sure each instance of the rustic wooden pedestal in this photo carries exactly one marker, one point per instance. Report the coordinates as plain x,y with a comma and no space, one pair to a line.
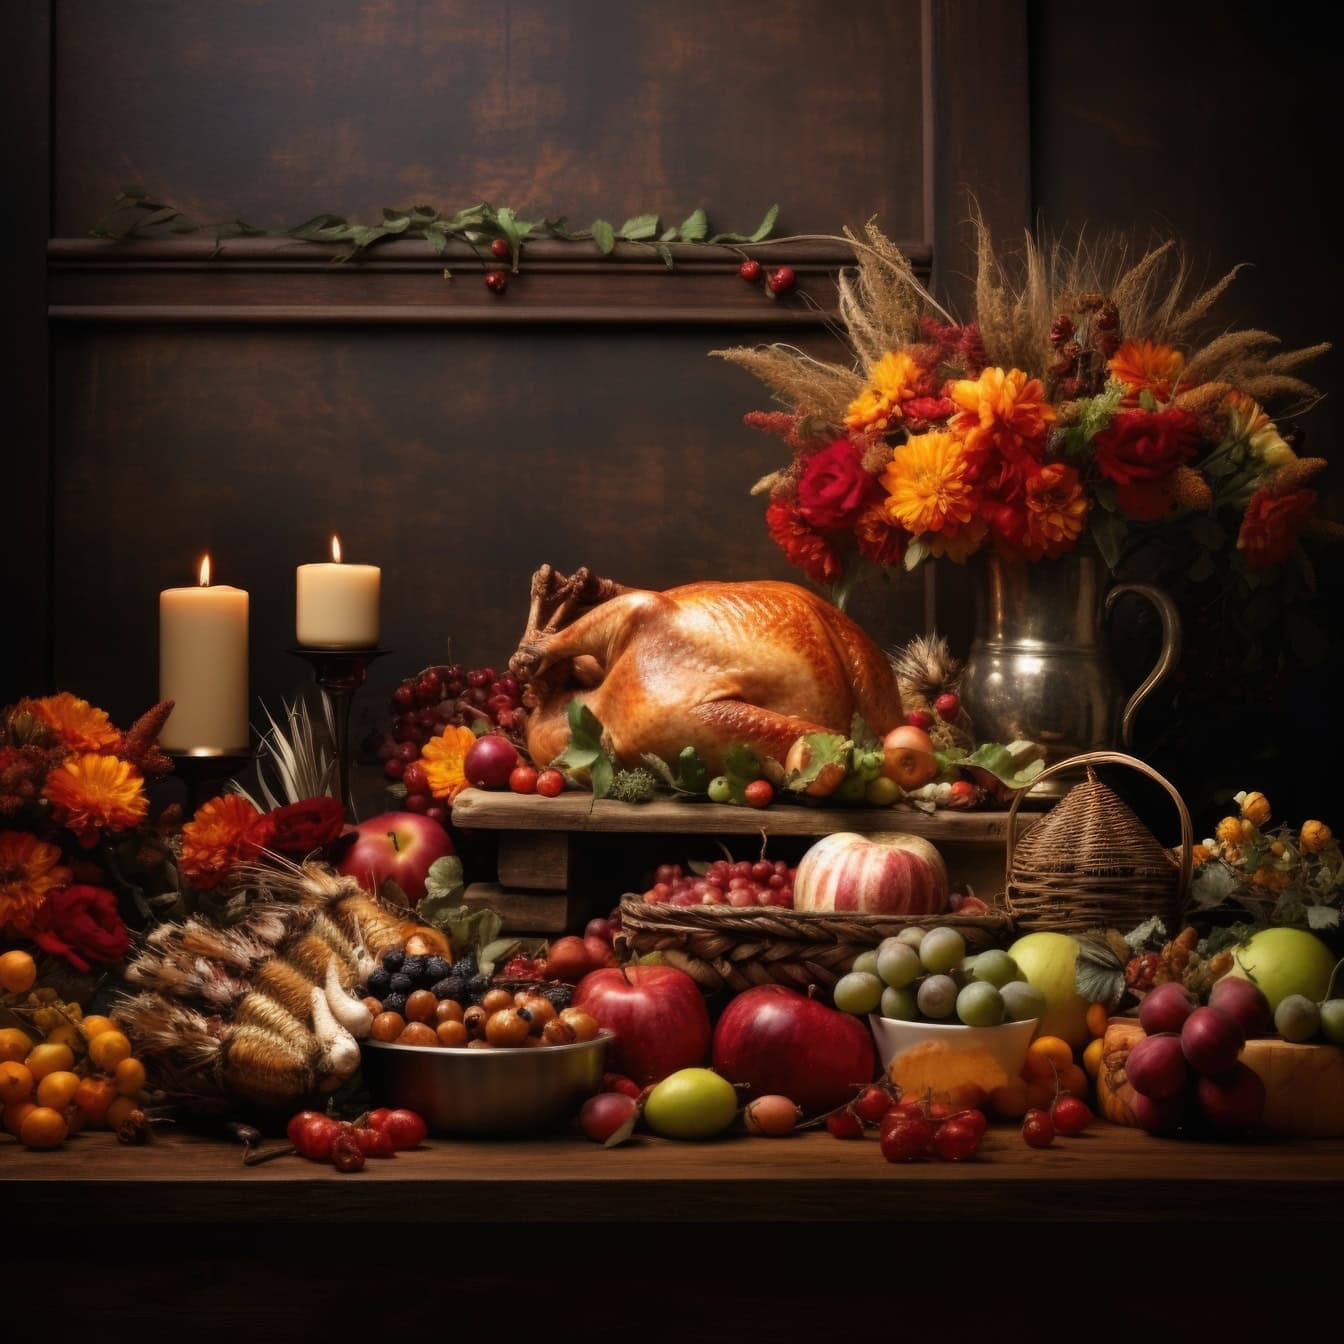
552,850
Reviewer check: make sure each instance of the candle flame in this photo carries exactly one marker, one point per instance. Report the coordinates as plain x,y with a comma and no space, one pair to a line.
336,548
205,571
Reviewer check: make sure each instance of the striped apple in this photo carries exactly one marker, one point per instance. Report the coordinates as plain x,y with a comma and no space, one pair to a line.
890,875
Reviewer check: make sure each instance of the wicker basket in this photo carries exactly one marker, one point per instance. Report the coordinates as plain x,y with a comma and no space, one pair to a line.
725,948
1091,863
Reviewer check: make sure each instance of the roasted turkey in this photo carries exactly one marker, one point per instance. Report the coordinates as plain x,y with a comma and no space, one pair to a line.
708,666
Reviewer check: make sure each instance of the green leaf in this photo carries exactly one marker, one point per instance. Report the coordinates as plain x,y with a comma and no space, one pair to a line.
1322,917
665,253
602,773
823,750
915,551
741,763
862,736
692,772
1213,884
604,236
1147,401
1149,931
767,226
1099,975
695,227
651,959
445,878
1108,531
669,236
466,929
639,228
658,767
1004,765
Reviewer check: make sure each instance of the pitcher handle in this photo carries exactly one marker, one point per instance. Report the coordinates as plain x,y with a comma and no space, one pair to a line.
1167,659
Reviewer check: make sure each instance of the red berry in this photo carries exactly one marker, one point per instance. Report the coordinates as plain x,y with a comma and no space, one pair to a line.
906,1140
416,802
947,706
415,778
404,696
759,793
844,1124
956,1141
346,1154
962,793
374,1142
872,1104
1038,1130
394,767
316,1136
750,270
408,752
499,247
920,718
781,280
523,779
975,1119
378,1118
1070,1116
295,1126
618,1082
550,783
436,813
496,281
404,1128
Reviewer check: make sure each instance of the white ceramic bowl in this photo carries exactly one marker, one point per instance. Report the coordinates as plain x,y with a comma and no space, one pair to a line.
1007,1043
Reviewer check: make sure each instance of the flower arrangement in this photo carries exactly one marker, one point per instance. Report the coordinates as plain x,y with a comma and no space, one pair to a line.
1079,403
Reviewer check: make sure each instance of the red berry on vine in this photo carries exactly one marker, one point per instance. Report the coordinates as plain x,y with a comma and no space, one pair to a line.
1038,1129
750,270
1070,1116
759,793
956,1141
947,706
499,247
496,281
781,280
844,1124
872,1104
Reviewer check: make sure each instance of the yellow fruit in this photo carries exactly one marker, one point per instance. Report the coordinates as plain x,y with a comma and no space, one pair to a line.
1047,961
57,1090
108,1049
1200,855
18,972
94,1025
118,1111
14,1044
1285,961
15,1115
1047,1056
16,1083
1255,808
1096,1018
44,1059
129,1077
93,1096
1314,837
43,1127
1092,1057
66,1034
1229,830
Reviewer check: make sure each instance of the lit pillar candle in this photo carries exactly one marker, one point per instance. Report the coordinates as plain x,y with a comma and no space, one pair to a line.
337,604
203,666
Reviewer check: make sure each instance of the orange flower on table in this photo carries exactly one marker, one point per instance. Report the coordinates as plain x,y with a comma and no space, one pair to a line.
802,544
926,484
1000,409
445,758
961,544
1056,511
1145,366
80,725
92,793
1271,524
895,379
30,869
225,832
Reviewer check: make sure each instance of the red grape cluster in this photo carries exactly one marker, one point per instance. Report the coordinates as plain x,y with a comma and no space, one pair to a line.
742,884
422,704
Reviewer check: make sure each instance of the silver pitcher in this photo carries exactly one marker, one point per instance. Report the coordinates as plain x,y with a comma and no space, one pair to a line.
1039,667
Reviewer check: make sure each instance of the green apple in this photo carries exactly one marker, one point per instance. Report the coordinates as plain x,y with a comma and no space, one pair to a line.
1284,962
1332,1021
1047,962
691,1104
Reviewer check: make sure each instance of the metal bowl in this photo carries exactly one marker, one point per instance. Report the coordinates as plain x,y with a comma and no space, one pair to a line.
487,1093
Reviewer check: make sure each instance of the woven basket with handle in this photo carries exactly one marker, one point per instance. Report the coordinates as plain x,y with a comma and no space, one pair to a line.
722,947
1091,863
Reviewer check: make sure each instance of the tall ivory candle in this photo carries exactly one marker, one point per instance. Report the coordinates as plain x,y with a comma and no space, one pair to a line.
203,666
337,604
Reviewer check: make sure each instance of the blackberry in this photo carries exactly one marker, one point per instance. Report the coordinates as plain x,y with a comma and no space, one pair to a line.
401,983
437,968
393,961
380,983
477,987
467,967
394,1003
560,996
448,988
414,967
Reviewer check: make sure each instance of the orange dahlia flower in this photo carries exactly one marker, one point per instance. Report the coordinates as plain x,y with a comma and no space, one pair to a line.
444,758
225,832
894,379
1144,366
1056,510
927,489
879,540
30,869
80,725
962,544
1271,524
1003,409
92,793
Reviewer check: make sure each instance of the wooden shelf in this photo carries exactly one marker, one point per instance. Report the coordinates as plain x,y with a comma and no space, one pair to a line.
1111,1174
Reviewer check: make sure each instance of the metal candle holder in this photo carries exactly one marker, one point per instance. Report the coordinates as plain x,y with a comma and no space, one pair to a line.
205,770
339,673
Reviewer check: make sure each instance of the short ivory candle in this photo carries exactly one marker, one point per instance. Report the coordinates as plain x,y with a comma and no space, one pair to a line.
203,666
337,604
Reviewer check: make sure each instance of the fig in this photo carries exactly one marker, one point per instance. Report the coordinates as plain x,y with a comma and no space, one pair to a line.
1156,1067
1244,1003
1232,1100
1165,1008
1211,1040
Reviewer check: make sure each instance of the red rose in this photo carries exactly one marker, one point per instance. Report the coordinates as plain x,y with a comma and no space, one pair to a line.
802,546
925,413
834,486
82,925
305,826
1139,451
1270,526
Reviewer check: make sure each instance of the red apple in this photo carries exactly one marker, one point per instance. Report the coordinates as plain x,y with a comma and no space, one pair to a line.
657,1013
776,1040
886,875
396,845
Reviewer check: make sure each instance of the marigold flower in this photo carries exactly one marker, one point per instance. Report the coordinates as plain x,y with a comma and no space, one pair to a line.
927,489
92,793
960,545
1145,366
879,540
79,725
1248,423
802,544
1314,837
1271,524
893,380
1056,511
1001,409
1200,855
225,832
1229,830
30,869
444,758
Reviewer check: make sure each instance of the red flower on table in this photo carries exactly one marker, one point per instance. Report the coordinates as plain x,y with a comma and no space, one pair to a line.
802,545
1271,524
834,487
300,828
1140,451
81,925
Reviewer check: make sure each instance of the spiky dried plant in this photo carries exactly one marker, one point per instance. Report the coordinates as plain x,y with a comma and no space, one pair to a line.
298,757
